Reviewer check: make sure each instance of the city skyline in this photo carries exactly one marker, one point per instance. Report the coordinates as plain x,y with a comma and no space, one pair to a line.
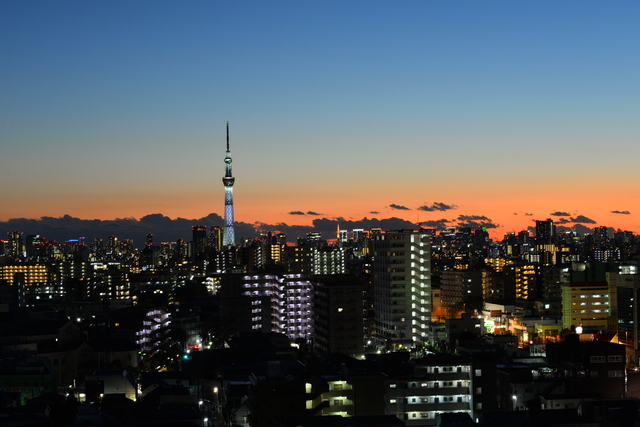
166,230
496,115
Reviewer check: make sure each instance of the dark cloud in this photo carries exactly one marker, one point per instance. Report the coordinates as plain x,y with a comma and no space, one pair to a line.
437,206
561,221
473,218
475,221
528,214
399,207
478,224
328,226
296,213
621,212
293,231
558,213
166,229
583,220
580,229
313,213
156,220
374,212
439,224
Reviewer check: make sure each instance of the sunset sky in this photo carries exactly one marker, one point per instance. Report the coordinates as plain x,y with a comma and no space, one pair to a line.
498,112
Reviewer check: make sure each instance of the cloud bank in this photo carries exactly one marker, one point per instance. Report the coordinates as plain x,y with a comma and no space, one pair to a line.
399,207
166,229
582,220
436,206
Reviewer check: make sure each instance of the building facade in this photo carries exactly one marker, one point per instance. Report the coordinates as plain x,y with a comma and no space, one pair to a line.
586,305
280,303
402,286
339,314
440,383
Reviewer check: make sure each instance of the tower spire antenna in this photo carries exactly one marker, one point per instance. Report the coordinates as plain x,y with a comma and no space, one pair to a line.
228,236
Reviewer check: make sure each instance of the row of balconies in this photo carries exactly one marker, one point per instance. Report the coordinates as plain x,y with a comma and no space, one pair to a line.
347,394
346,406
424,418
298,325
441,376
434,407
431,391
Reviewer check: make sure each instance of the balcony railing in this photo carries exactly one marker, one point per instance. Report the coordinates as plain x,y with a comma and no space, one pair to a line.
402,393
438,407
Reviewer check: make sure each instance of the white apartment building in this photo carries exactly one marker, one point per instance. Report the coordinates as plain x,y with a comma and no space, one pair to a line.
402,286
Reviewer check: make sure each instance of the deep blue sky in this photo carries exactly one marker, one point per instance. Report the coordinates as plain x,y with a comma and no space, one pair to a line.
117,109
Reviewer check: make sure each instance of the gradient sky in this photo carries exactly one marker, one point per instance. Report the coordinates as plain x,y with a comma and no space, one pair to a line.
506,110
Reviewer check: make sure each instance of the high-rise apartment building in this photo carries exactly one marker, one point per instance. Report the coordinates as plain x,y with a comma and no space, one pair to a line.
279,303
113,246
402,286
14,246
600,238
215,238
626,311
32,245
526,281
461,290
154,333
339,314
585,304
229,238
342,237
551,280
199,239
317,259
439,383
30,273
281,239
545,232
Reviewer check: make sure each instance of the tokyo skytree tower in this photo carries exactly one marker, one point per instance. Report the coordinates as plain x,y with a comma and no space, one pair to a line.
228,236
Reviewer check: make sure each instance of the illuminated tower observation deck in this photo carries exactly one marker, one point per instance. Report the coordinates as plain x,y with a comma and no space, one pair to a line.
228,236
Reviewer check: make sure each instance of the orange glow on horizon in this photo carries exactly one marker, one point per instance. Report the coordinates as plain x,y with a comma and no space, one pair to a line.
512,208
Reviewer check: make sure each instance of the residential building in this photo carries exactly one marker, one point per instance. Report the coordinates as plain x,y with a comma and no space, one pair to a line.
340,314
459,288
402,286
439,383
267,302
586,305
